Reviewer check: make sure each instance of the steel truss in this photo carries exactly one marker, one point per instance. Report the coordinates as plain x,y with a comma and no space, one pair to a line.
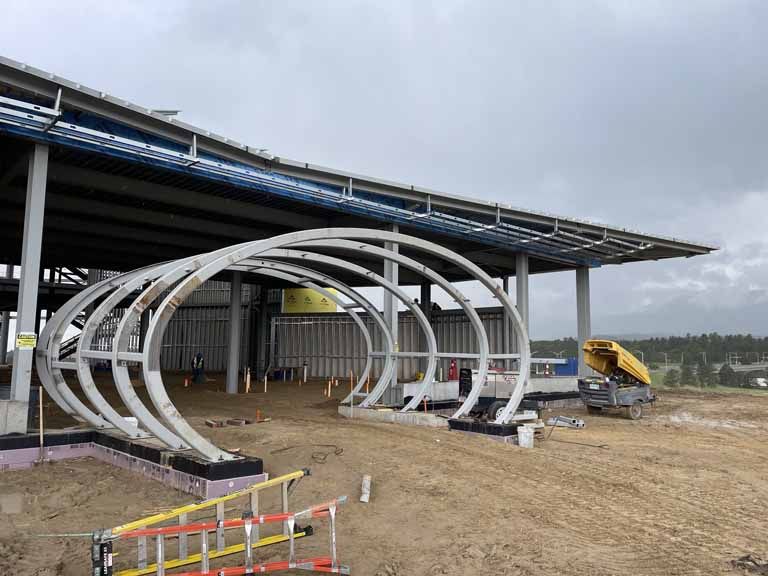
290,257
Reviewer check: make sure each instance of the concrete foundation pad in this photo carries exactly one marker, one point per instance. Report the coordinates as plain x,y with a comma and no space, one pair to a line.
13,417
428,419
503,439
22,458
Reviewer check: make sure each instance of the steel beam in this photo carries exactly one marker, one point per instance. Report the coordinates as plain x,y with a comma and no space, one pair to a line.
262,331
177,196
583,316
5,319
391,315
235,330
425,295
26,320
521,286
506,331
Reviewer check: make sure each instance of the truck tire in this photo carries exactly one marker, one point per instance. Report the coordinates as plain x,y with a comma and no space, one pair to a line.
635,411
494,410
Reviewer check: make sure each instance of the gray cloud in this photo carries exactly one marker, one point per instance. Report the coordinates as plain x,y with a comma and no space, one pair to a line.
649,115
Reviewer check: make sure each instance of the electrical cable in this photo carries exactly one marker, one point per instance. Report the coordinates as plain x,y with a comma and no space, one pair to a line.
318,456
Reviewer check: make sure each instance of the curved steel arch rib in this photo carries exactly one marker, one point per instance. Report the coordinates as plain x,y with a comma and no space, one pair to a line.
384,379
455,293
48,364
300,273
248,250
120,373
266,257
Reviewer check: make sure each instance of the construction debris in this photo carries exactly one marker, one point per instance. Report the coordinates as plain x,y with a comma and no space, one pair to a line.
566,422
751,564
215,423
366,489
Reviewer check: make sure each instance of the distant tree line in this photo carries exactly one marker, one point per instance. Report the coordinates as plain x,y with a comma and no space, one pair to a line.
705,376
687,350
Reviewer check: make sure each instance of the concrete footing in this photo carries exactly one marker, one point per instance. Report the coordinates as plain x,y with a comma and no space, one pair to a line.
429,419
23,458
13,417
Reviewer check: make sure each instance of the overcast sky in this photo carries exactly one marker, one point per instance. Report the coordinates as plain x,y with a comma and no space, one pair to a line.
650,115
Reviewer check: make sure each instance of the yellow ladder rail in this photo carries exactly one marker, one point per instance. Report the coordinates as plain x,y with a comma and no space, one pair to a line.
161,517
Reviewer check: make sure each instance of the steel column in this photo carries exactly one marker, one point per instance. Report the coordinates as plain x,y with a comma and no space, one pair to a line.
6,323
263,324
506,329
426,307
391,274
34,211
521,284
235,329
583,315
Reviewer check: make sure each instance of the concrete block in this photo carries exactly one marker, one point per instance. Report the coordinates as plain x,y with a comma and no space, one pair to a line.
392,416
13,417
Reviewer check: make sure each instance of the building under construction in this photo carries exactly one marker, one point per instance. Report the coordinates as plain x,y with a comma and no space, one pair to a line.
199,235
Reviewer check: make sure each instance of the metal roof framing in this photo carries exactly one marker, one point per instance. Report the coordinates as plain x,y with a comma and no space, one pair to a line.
38,111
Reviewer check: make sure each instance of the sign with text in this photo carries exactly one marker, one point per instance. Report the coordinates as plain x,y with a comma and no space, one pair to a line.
306,301
26,340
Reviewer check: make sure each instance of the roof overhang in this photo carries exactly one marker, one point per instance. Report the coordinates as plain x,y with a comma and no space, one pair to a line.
108,152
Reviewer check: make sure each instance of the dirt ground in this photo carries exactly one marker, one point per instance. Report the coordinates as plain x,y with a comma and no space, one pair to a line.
684,491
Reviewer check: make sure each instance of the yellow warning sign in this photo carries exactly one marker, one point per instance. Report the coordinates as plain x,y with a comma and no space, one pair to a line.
26,341
307,301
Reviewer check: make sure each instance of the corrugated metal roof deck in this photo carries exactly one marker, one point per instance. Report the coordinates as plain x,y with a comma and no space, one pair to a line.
144,188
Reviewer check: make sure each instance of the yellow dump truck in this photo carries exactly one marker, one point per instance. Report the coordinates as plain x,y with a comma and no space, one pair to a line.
625,383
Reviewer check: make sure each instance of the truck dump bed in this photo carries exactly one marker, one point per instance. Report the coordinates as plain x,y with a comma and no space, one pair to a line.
606,357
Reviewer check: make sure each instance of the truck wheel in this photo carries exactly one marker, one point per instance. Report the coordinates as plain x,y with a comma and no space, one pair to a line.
635,411
494,410
594,410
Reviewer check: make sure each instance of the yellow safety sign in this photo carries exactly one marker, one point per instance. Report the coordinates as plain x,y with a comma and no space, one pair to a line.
26,341
306,301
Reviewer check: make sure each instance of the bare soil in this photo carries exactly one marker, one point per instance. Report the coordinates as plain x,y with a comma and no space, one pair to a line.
683,491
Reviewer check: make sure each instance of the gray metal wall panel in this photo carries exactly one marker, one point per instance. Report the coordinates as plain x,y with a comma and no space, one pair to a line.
332,344
202,329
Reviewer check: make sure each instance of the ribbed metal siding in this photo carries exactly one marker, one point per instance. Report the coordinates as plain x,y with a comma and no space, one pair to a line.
201,329
201,324
332,344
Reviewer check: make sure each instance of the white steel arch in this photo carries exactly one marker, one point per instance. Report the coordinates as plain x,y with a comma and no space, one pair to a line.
266,257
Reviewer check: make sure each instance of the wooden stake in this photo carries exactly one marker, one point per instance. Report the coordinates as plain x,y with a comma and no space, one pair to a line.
265,383
248,381
40,423
367,383
425,405
351,396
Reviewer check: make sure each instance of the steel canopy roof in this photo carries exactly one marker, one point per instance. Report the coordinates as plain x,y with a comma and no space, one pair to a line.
152,188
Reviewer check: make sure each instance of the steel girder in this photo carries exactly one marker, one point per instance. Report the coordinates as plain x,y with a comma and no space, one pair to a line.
265,257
